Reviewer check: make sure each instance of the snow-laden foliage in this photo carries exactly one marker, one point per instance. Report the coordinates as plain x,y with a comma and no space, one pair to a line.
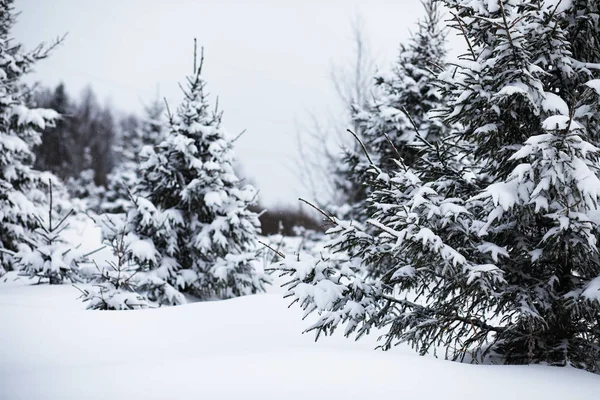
190,229
489,240
398,118
22,191
415,296
115,285
47,256
122,179
524,103
150,244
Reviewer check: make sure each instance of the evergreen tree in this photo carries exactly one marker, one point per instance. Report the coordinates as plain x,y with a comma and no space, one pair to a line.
397,119
583,31
48,256
115,286
190,220
122,178
20,194
495,256
527,108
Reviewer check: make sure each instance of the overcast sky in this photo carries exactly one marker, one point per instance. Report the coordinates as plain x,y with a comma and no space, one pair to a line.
268,61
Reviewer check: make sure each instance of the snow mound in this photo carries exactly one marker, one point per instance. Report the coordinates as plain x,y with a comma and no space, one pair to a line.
246,348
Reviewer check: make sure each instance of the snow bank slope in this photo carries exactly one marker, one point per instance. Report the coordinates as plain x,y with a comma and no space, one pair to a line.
248,348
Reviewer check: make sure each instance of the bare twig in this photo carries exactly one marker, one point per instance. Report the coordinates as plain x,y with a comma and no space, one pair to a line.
400,160
168,110
238,136
195,46
329,218
93,252
415,127
280,254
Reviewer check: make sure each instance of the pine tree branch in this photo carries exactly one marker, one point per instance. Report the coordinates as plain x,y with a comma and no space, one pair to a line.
201,61
508,35
238,136
50,208
464,34
400,160
455,317
280,254
415,127
362,145
64,218
6,251
195,47
93,252
329,218
169,115
41,52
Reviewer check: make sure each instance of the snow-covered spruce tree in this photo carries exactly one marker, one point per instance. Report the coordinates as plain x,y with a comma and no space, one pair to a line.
402,99
525,105
115,285
191,213
47,256
498,256
20,194
122,179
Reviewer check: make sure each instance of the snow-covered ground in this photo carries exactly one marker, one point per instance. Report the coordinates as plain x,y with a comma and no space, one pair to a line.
245,348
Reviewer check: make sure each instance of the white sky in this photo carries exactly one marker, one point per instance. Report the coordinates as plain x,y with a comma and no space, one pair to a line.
268,61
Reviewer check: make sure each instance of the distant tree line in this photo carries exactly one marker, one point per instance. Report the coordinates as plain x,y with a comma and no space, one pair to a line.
93,147
83,138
